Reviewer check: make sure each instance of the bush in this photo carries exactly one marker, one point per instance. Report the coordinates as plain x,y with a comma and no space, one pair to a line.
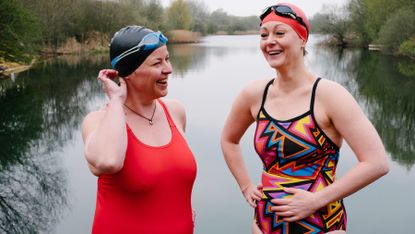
407,48
399,28
19,31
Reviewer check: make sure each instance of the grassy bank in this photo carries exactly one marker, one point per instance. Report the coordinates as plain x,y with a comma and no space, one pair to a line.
7,68
95,42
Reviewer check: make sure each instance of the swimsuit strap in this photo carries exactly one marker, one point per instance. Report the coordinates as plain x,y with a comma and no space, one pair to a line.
313,95
264,96
166,111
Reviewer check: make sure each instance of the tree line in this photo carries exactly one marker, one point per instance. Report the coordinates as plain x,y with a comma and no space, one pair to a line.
29,26
388,23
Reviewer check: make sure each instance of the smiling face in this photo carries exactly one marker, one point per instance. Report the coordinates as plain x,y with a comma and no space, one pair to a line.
151,77
281,45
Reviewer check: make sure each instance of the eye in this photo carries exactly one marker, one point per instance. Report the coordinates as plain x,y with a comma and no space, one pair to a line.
264,35
279,33
158,62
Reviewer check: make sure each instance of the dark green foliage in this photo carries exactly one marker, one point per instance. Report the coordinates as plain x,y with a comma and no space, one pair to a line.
358,15
397,29
407,48
388,22
19,30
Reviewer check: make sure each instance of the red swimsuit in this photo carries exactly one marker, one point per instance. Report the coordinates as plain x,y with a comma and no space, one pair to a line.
152,192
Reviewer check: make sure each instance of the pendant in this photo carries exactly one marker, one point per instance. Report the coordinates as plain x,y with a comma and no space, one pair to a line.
150,122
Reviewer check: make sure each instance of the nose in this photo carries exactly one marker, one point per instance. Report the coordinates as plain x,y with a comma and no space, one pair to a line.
271,40
167,68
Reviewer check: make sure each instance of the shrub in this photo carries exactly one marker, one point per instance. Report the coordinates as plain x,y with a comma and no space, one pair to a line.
399,28
407,48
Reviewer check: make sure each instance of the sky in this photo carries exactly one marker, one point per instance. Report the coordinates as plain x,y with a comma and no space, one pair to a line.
255,7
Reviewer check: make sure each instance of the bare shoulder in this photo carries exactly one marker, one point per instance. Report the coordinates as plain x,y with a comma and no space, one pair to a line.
177,112
175,107
251,96
331,86
255,87
334,94
337,103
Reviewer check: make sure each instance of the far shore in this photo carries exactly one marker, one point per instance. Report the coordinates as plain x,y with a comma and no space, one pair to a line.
97,43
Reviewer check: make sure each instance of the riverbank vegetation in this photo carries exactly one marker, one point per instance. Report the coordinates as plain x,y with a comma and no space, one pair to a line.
387,25
41,28
49,27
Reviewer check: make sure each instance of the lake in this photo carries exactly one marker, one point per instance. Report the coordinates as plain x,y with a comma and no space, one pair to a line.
46,186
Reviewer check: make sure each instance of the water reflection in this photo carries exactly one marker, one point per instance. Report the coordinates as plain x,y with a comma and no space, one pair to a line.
40,110
390,95
384,86
185,57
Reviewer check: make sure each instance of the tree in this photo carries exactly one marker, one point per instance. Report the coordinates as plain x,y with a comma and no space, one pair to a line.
55,17
218,21
358,17
153,12
199,15
178,15
397,29
378,13
19,30
334,20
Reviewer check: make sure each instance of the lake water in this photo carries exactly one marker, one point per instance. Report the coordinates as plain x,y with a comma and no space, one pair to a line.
46,187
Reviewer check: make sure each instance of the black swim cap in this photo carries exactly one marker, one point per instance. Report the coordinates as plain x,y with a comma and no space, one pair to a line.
125,39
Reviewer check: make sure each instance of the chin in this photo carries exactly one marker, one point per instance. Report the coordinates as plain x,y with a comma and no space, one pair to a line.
163,94
275,65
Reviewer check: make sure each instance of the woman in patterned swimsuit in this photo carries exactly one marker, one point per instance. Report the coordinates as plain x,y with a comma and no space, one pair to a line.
301,121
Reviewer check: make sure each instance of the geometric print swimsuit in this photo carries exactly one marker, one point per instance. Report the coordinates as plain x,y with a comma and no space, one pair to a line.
296,153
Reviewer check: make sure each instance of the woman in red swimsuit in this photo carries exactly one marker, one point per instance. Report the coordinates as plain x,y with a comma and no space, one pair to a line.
301,121
135,145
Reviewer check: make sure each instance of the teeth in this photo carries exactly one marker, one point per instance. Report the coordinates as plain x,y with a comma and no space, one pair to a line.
274,52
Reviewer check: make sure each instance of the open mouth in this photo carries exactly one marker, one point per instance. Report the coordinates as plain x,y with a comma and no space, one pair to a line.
162,82
274,52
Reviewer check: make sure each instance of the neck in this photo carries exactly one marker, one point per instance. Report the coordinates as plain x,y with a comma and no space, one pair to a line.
291,78
145,114
140,104
292,74
137,97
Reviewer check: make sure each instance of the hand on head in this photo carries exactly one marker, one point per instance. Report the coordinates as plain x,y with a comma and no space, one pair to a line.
111,89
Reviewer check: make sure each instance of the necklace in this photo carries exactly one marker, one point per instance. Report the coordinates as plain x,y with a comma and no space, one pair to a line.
150,120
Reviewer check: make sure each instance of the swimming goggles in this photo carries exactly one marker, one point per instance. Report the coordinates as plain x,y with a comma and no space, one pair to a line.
284,11
149,42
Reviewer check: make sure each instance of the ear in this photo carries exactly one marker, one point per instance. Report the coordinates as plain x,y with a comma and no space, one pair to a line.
303,43
129,76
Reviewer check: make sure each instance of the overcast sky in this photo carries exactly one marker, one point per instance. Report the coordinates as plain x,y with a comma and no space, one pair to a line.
255,7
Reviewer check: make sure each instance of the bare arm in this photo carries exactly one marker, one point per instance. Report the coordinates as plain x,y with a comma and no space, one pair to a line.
238,121
351,123
104,132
